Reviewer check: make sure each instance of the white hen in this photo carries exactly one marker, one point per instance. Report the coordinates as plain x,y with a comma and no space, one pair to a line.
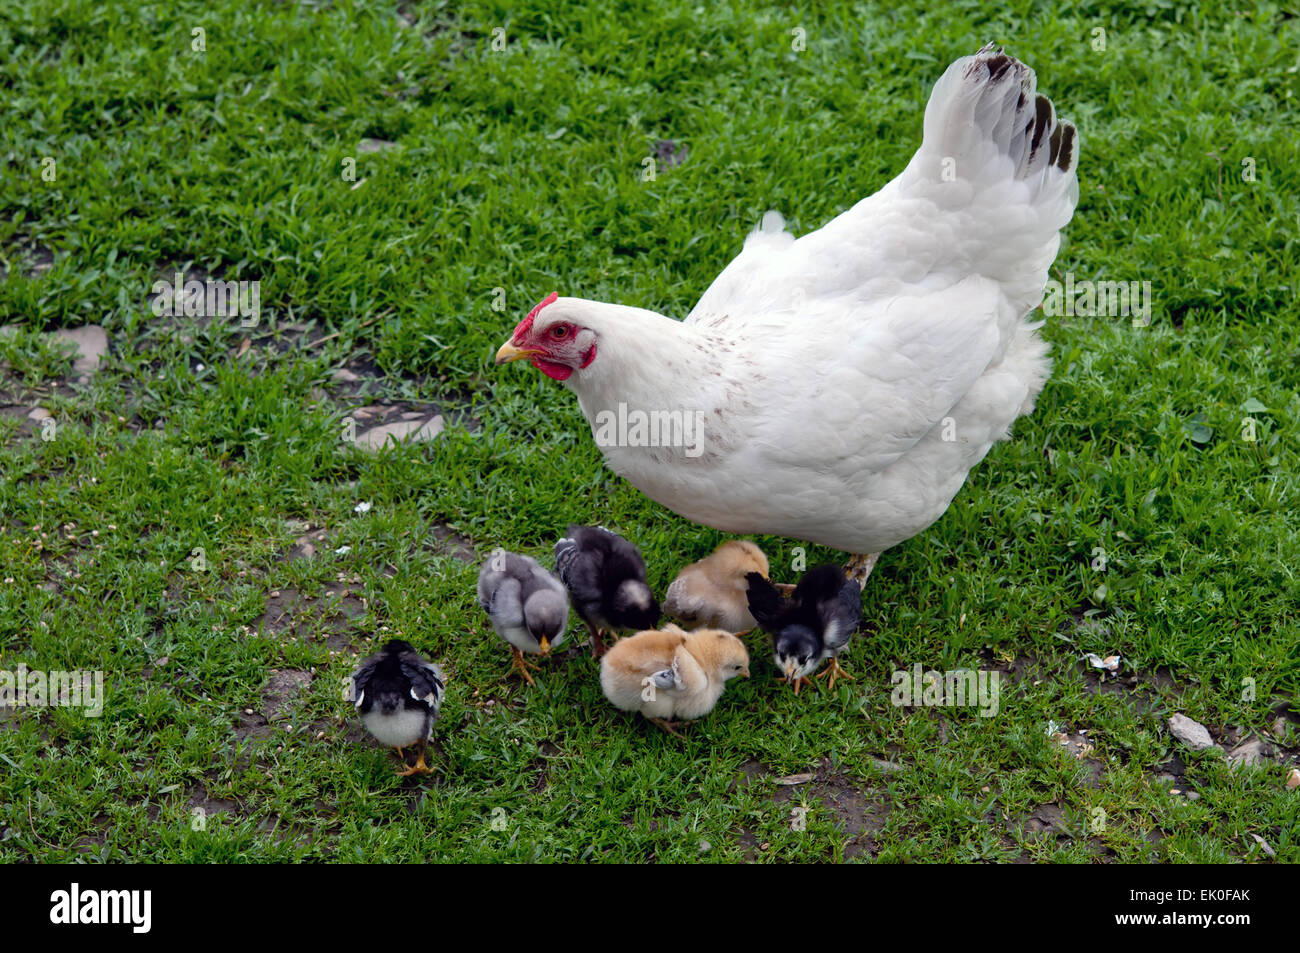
846,381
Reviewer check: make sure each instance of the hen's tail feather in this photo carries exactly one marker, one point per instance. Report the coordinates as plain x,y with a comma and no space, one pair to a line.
990,99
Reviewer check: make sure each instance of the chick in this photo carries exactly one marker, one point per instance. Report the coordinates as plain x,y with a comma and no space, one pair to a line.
527,605
711,593
606,580
397,694
815,624
667,674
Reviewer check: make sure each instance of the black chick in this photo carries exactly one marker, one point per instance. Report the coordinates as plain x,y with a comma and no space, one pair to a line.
815,624
606,580
397,694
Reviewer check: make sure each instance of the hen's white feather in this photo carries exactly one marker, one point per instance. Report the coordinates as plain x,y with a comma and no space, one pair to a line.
849,379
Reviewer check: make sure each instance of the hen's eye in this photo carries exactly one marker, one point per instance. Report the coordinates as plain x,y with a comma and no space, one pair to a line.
560,332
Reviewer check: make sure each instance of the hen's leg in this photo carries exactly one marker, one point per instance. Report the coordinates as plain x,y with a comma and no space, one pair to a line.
859,568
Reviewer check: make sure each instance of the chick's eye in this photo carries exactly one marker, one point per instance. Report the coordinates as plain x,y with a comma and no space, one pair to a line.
560,332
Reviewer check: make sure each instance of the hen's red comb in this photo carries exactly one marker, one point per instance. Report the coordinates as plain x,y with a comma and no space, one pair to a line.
526,324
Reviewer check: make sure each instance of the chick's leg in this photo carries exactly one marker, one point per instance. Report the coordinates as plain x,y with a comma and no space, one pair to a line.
859,568
598,647
834,671
520,664
419,767
665,724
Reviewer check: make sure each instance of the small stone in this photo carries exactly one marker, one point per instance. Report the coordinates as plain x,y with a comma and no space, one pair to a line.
345,376
1249,753
1191,733
368,146
91,341
400,431
1264,845
1293,779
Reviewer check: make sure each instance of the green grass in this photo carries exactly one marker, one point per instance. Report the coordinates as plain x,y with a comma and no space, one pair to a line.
520,170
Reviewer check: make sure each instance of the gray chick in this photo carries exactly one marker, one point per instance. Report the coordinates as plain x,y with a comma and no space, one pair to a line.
527,605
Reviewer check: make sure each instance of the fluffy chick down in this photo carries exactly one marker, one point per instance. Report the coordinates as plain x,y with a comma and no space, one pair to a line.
711,593
670,674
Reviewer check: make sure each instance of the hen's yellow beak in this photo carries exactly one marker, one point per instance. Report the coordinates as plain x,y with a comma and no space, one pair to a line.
509,352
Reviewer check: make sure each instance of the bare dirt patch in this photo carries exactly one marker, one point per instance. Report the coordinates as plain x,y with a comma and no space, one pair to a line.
857,813
331,618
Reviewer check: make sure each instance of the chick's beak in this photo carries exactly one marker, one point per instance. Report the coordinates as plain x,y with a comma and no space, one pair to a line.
545,646
508,352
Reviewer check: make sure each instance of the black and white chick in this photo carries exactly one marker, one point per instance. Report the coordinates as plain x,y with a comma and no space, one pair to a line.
815,624
606,579
528,606
398,694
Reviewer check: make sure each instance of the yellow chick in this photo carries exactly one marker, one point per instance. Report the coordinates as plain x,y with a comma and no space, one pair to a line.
669,674
711,593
